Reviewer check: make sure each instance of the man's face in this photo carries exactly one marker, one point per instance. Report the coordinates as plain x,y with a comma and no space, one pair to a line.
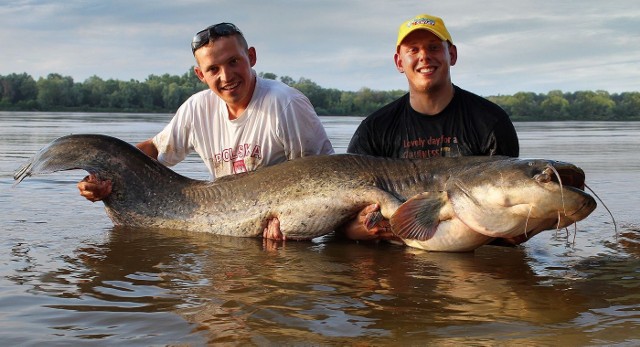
426,60
225,66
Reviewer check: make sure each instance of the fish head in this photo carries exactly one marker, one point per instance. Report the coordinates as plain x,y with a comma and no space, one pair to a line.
513,197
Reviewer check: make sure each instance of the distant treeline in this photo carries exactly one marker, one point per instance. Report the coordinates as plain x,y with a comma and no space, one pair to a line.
20,92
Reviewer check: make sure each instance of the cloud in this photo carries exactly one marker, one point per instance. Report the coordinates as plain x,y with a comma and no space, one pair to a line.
504,47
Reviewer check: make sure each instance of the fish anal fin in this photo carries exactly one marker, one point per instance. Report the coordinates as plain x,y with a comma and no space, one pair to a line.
418,218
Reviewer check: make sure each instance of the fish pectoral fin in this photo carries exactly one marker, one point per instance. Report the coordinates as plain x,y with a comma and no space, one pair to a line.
418,218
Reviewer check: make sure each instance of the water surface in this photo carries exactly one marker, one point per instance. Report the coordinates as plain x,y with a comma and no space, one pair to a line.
68,277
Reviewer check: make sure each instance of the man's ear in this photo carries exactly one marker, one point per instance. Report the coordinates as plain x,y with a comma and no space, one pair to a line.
453,54
198,72
253,58
398,62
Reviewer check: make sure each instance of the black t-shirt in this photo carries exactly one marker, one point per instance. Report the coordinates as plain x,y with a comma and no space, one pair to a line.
469,125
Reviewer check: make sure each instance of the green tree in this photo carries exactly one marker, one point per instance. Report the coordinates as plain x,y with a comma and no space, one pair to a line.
287,80
589,105
93,92
167,92
525,106
191,81
312,91
55,91
268,75
173,95
554,106
628,106
156,86
15,88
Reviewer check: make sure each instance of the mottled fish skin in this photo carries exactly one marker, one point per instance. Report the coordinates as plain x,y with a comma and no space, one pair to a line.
447,199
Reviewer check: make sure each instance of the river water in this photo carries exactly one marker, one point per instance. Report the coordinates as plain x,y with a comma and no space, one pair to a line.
68,277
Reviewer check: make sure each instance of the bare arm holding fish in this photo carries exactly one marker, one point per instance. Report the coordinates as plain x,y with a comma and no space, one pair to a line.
148,148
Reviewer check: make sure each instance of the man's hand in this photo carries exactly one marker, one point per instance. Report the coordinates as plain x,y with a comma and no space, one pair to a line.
272,231
94,189
369,225
272,235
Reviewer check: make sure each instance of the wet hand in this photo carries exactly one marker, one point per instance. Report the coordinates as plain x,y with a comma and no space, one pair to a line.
273,232
94,189
369,225
375,224
272,235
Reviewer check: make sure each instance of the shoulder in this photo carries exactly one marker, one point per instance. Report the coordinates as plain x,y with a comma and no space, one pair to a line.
199,101
282,101
375,134
387,113
489,122
276,89
197,104
478,110
200,97
474,102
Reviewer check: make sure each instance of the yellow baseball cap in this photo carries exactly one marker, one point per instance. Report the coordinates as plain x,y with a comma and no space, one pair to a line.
426,22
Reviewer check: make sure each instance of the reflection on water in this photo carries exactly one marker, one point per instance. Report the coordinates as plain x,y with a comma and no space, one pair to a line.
69,277
243,290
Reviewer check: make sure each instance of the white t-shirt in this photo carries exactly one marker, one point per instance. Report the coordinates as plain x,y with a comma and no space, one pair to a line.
279,124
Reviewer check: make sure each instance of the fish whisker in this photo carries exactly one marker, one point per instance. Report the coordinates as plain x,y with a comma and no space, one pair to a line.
615,225
561,188
526,223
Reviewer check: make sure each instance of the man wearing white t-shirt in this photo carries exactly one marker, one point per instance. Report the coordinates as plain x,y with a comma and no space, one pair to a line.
242,122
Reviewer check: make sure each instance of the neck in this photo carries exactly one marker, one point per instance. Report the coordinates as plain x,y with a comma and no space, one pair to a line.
431,101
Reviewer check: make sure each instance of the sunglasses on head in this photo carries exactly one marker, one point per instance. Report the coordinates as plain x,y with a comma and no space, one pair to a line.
204,36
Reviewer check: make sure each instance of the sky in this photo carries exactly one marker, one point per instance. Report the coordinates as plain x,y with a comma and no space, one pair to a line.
504,46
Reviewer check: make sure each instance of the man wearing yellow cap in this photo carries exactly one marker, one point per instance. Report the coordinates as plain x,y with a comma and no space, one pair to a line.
436,118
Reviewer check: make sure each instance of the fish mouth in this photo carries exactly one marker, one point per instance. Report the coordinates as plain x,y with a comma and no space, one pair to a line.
584,210
563,220
570,179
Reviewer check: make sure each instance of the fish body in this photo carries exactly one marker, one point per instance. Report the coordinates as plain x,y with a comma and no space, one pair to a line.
439,204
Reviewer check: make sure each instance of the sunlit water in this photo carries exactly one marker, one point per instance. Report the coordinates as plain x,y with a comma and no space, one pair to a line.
68,277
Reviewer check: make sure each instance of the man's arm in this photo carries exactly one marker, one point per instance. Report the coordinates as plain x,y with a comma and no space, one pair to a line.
507,139
301,130
148,148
